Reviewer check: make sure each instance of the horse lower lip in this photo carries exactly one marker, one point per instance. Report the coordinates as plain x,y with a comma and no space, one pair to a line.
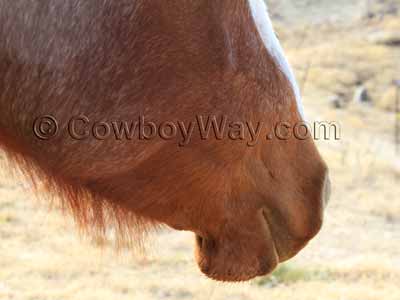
272,239
200,241
264,213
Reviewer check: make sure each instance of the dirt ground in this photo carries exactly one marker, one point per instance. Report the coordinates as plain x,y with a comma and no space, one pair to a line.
355,257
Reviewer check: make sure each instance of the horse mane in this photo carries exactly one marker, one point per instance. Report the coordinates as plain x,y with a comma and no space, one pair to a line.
94,215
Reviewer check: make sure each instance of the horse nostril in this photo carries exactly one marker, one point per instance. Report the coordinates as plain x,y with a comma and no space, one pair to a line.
327,191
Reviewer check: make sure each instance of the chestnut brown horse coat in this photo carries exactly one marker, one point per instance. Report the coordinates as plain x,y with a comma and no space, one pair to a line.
250,207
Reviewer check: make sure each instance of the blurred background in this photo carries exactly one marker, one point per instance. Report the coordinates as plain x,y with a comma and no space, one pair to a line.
346,56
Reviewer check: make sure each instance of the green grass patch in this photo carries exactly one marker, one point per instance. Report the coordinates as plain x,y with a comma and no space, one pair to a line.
289,274
6,218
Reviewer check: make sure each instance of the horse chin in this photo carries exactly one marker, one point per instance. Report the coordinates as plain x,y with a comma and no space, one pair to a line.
242,252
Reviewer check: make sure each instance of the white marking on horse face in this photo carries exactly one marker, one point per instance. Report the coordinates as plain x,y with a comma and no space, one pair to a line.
264,25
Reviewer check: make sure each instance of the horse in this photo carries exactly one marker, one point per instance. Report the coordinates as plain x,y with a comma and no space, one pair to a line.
73,74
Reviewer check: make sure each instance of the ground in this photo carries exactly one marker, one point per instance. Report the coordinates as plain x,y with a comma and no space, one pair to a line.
355,257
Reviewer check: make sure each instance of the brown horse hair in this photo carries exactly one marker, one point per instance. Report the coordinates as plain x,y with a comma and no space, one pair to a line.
94,216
